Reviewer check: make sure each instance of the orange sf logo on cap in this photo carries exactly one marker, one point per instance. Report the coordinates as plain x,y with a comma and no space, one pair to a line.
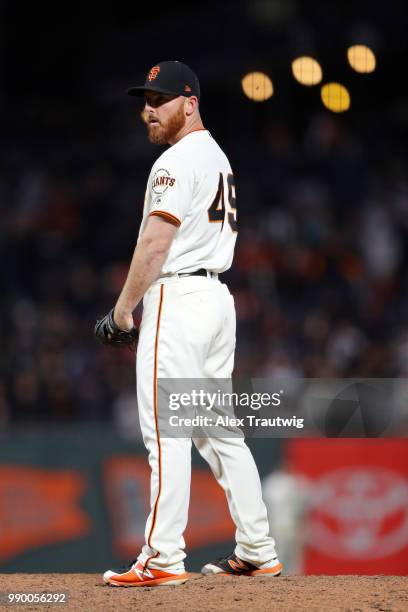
153,73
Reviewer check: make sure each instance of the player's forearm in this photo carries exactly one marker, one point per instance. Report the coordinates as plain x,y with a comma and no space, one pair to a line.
147,262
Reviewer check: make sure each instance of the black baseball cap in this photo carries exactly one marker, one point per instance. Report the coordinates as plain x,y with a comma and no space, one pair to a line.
172,78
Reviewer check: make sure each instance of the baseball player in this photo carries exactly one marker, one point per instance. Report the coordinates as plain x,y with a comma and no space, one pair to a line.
187,238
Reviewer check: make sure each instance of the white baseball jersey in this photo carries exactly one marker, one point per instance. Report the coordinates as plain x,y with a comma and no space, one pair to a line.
192,186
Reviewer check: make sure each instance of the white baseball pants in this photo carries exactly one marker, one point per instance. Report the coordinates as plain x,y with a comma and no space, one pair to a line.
188,331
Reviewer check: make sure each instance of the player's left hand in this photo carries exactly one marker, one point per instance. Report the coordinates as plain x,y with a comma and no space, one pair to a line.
123,321
107,331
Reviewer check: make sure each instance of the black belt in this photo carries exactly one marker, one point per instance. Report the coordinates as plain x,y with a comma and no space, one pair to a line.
201,272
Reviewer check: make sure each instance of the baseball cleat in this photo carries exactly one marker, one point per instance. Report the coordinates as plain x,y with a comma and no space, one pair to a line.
234,566
135,575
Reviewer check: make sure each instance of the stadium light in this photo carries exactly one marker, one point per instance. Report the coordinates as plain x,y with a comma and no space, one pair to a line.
307,70
335,97
361,58
257,86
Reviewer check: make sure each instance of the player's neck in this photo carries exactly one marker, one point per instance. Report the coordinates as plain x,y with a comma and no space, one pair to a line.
195,125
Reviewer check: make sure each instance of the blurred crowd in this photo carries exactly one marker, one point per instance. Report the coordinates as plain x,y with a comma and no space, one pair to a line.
319,278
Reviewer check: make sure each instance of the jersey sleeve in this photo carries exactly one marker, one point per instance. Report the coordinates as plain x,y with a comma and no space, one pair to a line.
171,189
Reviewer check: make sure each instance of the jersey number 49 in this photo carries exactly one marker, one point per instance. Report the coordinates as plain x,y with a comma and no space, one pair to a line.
217,210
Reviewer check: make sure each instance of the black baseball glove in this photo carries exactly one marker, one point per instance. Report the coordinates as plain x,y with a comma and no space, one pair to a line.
107,332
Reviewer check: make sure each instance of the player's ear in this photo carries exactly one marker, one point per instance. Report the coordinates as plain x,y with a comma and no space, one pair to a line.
190,105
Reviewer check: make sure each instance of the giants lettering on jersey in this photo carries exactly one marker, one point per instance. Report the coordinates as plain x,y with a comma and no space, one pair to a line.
162,181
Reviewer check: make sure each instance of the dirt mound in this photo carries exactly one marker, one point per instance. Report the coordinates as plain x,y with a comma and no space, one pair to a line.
221,594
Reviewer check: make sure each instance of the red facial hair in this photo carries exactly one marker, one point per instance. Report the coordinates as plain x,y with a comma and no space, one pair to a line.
164,132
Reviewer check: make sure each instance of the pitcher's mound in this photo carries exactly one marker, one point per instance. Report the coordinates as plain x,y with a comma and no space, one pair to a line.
206,594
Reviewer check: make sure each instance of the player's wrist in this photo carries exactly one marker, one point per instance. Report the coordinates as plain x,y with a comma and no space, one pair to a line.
123,318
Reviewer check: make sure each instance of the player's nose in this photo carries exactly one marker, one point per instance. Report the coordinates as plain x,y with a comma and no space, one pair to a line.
148,107
150,116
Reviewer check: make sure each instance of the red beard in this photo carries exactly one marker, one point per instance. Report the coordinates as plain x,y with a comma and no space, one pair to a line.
164,133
